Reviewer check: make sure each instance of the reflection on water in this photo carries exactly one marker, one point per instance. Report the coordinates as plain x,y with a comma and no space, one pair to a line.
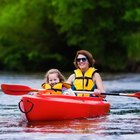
69,126
123,122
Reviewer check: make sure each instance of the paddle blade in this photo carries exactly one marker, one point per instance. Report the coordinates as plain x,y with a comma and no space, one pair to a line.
16,89
137,95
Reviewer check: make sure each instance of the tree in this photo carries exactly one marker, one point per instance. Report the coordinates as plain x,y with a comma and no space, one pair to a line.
48,32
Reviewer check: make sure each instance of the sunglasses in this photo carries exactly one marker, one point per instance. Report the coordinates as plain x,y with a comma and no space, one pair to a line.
84,59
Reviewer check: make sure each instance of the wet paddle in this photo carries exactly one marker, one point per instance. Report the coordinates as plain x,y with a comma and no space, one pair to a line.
136,94
17,89
21,90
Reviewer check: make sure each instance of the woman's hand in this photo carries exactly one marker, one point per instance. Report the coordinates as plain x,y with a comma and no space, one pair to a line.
97,92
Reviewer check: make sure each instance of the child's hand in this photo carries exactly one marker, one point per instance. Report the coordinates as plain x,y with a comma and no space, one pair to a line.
69,92
33,93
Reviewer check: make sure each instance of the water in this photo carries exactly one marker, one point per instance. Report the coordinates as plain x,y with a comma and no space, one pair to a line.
123,122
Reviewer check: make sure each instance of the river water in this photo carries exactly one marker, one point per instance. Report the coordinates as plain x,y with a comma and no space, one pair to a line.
122,123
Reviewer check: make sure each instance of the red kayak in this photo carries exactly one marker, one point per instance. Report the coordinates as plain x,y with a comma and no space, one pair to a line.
61,107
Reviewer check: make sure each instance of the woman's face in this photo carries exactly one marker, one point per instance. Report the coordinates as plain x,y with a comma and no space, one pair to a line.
53,79
82,62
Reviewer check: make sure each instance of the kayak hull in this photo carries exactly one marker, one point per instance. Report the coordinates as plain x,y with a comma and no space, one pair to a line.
61,107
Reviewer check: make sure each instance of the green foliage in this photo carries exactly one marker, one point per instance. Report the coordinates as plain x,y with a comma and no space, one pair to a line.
133,50
22,18
40,34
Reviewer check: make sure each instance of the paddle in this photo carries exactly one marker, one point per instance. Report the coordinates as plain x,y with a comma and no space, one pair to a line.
21,90
136,94
17,89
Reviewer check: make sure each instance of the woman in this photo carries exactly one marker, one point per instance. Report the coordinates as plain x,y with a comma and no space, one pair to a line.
86,77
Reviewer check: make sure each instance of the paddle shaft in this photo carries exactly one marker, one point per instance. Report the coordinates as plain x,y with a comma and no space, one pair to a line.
113,94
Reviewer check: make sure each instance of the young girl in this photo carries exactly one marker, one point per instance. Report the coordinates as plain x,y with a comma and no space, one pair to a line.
54,80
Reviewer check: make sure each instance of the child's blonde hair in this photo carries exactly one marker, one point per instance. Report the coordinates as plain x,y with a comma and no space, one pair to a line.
51,71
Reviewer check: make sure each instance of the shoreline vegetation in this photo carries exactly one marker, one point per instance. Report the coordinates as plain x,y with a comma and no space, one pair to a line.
40,35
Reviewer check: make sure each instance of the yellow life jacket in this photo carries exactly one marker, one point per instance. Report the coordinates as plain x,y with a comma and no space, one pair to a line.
84,81
57,87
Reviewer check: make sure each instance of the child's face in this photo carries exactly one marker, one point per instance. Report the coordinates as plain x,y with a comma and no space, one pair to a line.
53,79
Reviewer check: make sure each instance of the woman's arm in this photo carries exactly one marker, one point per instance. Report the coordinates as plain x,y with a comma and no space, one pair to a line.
99,83
70,79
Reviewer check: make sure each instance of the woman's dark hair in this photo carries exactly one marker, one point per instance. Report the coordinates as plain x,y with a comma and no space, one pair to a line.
88,56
